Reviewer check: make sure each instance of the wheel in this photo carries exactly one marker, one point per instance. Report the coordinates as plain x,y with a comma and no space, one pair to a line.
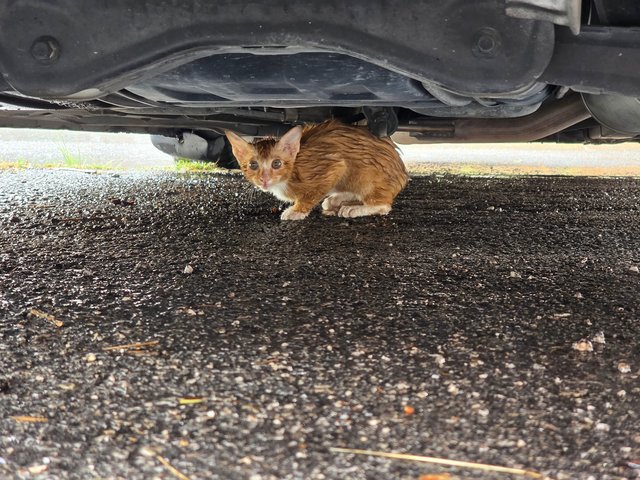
215,149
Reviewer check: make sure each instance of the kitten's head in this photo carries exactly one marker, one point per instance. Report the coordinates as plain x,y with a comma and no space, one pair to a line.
266,163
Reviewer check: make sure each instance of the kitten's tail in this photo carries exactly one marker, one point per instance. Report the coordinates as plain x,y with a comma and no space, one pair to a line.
396,147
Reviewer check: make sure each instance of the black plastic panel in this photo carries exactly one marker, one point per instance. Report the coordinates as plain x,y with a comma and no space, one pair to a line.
247,79
57,49
599,60
321,79
619,13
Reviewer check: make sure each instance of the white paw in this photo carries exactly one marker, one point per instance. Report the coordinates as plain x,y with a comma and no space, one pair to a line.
331,205
349,211
352,211
328,208
290,214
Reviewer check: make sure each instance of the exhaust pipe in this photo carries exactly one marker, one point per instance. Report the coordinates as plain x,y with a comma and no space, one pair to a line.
551,118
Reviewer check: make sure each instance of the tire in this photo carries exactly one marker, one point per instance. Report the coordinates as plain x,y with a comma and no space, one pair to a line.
215,149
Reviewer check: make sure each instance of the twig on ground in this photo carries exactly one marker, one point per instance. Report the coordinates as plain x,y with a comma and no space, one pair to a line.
46,316
440,461
85,219
132,346
29,419
171,468
190,400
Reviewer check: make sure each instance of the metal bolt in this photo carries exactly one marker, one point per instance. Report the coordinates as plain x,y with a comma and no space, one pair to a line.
45,50
487,43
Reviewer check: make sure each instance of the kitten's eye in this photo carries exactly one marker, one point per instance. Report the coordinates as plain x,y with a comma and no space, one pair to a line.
276,164
253,165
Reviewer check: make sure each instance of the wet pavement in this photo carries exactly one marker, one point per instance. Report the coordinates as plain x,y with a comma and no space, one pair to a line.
485,319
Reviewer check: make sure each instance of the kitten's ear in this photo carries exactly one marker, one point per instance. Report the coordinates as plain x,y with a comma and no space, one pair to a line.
242,150
289,144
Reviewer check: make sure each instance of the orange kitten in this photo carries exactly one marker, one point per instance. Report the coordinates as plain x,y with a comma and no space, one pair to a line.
354,172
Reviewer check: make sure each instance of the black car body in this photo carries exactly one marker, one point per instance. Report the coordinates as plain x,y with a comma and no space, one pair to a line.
423,71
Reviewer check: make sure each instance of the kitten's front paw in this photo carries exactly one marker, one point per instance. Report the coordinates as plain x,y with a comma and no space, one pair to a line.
291,214
328,208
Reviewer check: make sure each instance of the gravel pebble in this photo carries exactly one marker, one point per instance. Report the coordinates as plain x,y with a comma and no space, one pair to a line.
624,367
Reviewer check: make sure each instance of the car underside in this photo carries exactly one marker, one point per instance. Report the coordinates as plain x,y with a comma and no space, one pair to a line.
423,71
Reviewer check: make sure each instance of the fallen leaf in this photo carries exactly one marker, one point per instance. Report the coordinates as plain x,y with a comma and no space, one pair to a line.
37,469
624,367
583,346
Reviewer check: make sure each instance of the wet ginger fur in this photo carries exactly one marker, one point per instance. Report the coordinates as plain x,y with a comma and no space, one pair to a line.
351,171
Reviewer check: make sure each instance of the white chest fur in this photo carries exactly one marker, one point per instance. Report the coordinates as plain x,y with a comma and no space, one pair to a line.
279,190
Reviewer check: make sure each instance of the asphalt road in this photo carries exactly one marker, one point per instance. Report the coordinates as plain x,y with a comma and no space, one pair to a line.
451,328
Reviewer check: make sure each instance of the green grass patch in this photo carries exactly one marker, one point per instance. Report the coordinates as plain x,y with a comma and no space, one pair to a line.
70,160
16,165
76,160
186,165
